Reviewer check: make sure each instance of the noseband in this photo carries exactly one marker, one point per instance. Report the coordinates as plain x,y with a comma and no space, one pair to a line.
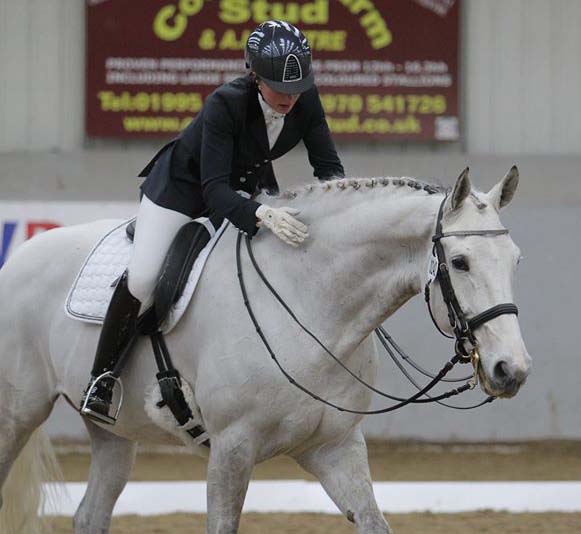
462,326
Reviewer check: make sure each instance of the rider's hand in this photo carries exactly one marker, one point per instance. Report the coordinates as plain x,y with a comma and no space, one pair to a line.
281,222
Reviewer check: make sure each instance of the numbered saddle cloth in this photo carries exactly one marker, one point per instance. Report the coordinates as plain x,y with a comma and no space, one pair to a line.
91,292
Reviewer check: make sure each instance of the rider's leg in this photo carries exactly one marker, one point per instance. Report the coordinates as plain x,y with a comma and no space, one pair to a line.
343,470
111,462
155,230
119,325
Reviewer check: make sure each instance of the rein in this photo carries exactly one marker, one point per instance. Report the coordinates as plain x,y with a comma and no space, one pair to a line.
403,402
463,330
391,347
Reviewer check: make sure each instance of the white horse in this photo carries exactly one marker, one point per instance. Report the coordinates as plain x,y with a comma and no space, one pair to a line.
367,255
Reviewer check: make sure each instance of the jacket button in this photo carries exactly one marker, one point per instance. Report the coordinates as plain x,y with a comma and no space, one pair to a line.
248,172
242,179
265,161
257,165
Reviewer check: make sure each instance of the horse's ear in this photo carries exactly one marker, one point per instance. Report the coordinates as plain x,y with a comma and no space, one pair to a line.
460,192
501,194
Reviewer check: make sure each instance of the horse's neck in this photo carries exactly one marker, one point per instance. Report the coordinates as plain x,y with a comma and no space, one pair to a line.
365,258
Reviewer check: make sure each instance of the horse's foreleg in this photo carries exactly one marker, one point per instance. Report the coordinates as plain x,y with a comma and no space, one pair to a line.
343,470
111,462
232,458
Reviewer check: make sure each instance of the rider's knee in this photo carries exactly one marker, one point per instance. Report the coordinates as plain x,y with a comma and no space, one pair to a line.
141,285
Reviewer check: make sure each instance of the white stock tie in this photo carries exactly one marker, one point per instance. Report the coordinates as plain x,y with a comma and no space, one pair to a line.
274,121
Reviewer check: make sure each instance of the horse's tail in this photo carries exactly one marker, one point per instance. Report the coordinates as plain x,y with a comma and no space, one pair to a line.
24,495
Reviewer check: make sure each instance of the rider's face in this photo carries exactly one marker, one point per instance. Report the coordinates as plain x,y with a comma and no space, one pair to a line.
280,102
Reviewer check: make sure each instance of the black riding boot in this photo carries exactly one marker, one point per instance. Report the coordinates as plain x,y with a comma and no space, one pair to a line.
118,332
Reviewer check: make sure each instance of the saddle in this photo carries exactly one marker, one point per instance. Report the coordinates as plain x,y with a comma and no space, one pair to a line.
189,242
91,292
179,275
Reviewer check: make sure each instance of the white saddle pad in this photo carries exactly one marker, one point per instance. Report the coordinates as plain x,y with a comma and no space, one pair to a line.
93,287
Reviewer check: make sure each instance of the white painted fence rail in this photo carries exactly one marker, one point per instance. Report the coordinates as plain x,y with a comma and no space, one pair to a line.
294,496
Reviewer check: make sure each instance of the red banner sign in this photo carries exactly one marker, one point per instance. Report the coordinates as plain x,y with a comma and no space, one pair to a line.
385,68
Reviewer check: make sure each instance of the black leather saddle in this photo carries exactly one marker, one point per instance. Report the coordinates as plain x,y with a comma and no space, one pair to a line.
185,248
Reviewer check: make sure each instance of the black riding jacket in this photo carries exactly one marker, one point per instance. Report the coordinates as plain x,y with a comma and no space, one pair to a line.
225,149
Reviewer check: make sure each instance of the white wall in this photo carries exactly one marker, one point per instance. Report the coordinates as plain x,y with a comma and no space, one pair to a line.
42,47
522,76
521,79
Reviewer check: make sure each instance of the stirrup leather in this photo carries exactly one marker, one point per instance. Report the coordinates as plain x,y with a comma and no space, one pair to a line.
99,417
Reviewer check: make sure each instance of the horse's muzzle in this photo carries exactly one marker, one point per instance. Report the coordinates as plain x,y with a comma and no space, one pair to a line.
506,376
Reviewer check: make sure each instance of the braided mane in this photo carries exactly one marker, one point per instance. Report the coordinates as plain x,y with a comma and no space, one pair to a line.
363,183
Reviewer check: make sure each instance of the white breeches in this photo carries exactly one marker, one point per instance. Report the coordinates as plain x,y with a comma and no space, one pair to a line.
155,230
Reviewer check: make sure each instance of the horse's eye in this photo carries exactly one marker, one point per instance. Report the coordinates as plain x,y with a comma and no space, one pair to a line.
460,263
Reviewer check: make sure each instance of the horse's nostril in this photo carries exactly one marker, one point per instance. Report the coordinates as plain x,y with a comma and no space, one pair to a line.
501,371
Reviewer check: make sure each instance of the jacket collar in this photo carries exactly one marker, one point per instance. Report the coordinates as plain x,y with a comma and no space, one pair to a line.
287,137
256,123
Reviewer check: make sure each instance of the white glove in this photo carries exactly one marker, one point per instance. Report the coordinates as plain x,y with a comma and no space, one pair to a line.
282,224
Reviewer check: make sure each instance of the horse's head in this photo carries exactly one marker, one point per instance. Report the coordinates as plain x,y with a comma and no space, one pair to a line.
481,268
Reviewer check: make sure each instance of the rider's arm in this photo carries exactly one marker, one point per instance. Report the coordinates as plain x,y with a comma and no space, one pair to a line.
216,167
321,149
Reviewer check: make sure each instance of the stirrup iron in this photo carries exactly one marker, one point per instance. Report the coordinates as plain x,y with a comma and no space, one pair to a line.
99,417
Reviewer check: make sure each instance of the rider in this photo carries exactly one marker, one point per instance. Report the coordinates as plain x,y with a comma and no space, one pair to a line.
228,147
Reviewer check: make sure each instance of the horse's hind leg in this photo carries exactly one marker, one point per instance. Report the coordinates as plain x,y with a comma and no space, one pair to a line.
23,409
12,441
111,463
343,470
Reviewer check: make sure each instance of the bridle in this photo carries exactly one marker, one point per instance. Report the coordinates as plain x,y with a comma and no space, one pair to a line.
463,328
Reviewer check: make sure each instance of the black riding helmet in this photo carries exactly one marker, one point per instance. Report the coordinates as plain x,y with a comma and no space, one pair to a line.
280,55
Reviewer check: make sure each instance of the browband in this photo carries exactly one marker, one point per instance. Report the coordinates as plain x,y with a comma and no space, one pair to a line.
469,233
